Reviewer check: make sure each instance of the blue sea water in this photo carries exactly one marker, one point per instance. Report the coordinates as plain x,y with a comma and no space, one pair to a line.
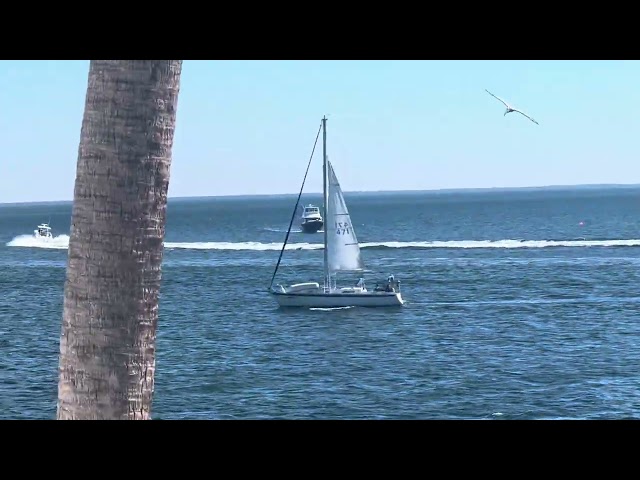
520,305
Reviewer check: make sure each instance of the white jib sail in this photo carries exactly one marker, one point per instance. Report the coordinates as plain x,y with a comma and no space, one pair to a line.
343,251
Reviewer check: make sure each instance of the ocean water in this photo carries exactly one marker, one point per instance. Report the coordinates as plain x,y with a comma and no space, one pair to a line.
520,305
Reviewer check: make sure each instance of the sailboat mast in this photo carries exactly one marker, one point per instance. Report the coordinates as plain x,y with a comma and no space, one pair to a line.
325,200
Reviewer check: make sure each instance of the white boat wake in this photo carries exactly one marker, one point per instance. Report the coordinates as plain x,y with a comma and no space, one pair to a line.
329,309
62,242
467,244
280,230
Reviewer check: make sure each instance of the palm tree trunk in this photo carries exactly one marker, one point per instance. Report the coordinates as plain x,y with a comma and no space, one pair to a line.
107,346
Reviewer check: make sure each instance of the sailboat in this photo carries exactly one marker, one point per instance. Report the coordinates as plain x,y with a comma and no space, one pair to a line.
341,254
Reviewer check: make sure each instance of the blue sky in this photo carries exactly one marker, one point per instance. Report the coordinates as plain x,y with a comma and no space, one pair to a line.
248,127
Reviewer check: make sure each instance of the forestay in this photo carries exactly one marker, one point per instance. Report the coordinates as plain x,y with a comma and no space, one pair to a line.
343,251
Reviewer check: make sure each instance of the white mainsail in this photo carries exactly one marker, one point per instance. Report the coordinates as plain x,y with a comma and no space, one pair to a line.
343,251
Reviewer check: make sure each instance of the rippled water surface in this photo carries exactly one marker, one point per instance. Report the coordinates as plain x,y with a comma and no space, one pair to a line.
520,305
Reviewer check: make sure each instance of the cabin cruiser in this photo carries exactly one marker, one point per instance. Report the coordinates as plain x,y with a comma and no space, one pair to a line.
43,232
311,219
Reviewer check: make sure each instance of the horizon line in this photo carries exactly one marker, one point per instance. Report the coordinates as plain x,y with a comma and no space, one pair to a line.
432,190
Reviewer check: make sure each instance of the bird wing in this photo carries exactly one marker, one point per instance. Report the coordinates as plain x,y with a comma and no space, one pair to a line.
522,113
505,103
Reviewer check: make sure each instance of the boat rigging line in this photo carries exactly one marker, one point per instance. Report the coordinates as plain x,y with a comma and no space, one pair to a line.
295,208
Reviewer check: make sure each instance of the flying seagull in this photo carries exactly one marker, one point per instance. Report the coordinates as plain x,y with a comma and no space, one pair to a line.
510,108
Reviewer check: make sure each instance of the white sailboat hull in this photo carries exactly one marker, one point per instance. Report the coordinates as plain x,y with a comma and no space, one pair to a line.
317,298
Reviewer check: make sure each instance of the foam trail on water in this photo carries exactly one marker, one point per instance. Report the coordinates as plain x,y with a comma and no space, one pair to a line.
280,230
329,309
507,244
62,242
255,246
59,242
466,244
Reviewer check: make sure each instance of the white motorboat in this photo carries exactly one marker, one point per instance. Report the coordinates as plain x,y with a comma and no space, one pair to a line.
43,232
312,221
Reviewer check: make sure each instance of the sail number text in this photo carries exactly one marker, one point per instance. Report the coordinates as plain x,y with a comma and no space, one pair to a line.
343,228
